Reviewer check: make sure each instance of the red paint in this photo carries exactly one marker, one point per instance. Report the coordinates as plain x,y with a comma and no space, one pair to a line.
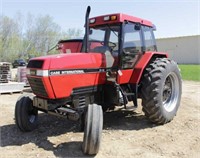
47,85
134,75
120,19
94,44
63,85
142,63
60,86
73,61
125,77
75,46
77,61
72,47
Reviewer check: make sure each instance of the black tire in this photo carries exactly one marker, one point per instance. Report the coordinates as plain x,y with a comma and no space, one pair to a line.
26,116
81,122
161,90
93,129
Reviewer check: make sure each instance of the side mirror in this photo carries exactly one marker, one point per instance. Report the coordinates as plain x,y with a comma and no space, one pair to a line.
90,32
58,46
137,26
154,27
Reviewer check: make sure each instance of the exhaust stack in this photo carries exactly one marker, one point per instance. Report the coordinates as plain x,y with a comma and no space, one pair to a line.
87,29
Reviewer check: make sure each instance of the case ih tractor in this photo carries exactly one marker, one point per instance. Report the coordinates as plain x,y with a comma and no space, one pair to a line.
69,46
118,63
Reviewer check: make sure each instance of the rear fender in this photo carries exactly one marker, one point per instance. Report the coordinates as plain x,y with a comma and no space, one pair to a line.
142,63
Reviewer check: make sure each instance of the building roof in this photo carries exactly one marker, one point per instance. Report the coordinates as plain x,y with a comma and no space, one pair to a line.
186,36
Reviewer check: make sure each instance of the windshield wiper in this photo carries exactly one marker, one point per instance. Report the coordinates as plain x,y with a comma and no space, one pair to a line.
112,30
52,48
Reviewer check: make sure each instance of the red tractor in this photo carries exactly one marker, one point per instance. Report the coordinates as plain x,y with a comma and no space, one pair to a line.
69,46
118,63
73,45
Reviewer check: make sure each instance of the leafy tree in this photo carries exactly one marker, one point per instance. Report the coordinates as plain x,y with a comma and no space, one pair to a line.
10,38
30,36
74,33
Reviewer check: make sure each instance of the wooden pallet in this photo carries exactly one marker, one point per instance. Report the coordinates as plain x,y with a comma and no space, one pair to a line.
3,80
4,68
5,64
4,72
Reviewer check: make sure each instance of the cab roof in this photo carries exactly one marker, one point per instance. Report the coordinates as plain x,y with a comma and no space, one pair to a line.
120,18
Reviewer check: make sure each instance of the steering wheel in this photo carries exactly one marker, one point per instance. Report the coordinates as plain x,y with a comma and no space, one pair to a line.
131,51
112,45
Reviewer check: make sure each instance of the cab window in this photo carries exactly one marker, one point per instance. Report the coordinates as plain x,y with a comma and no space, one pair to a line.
132,45
104,38
150,43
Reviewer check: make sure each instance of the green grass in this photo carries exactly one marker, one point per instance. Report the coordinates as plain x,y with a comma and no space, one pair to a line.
190,72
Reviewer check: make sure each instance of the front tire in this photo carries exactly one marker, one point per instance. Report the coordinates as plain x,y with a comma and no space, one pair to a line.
26,116
161,90
93,129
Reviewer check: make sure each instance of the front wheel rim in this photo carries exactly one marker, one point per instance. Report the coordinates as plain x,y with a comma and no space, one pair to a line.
171,92
32,116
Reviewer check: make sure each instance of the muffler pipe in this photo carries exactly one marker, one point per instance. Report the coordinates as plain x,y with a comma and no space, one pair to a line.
86,45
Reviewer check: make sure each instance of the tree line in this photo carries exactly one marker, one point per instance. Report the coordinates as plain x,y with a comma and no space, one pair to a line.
30,36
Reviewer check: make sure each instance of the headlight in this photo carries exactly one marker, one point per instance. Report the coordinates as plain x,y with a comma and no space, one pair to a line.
42,73
28,72
37,72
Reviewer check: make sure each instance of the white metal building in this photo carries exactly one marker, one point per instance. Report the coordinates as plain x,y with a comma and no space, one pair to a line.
184,50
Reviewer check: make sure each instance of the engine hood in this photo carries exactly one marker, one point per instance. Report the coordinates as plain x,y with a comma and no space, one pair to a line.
69,61
59,76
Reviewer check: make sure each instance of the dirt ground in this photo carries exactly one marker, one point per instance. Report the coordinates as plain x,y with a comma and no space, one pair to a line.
126,133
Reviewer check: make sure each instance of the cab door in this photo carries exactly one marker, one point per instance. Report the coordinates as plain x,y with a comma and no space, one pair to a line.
132,50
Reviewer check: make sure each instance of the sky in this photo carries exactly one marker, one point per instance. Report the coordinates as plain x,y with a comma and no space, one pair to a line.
172,17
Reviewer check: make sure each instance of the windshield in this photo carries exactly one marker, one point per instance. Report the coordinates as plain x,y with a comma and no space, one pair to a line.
104,38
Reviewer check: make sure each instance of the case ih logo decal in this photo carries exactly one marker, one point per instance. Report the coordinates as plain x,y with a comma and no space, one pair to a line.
70,72
60,72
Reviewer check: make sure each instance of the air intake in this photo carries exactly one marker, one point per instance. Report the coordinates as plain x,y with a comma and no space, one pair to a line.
38,64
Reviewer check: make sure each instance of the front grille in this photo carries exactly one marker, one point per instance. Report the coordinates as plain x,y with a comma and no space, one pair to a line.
84,90
37,86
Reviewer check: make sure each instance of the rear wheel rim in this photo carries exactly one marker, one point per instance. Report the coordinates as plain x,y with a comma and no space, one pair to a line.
170,92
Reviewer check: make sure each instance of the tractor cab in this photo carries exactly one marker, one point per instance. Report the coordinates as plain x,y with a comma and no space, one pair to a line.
125,37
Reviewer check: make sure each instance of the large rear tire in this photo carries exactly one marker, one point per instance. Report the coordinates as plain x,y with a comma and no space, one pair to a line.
93,129
26,116
161,90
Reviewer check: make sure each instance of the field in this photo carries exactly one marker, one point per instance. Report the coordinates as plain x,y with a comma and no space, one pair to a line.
126,133
190,72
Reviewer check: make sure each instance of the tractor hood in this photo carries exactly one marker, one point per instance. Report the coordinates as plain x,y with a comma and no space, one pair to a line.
59,76
72,61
